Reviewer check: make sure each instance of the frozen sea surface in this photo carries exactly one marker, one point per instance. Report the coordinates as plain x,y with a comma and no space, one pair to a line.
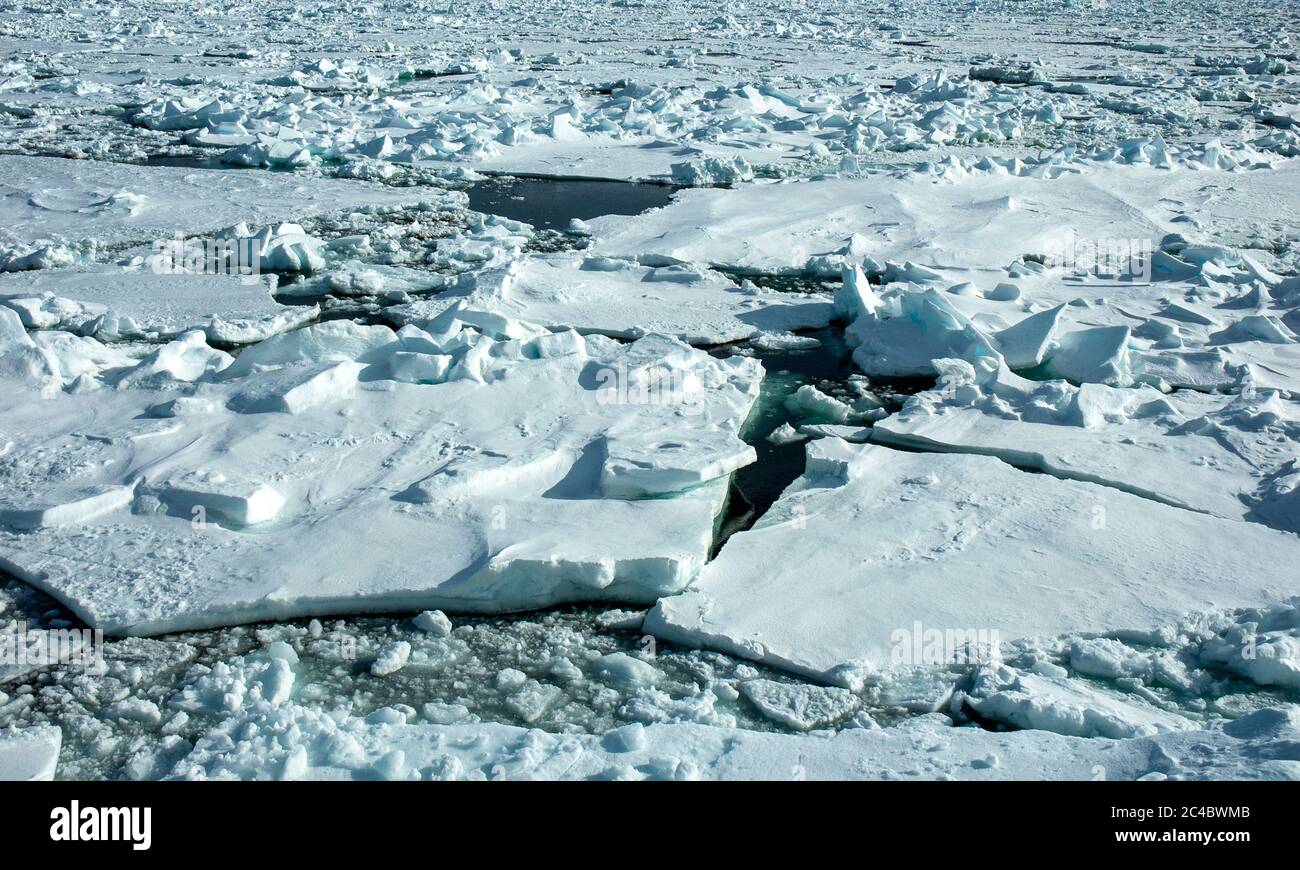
771,392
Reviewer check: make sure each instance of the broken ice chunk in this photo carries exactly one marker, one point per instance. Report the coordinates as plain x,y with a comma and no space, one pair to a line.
1265,652
912,329
483,473
188,358
811,403
433,622
712,171
626,672
286,248
419,368
297,389
30,754
785,434
331,342
798,705
642,463
534,700
1098,355
243,502
391,659
1065,706
1026,344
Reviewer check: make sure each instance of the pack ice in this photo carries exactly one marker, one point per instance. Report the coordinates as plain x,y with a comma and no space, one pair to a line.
1044,508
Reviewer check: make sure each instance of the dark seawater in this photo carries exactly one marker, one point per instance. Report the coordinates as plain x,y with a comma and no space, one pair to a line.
549,204
756,487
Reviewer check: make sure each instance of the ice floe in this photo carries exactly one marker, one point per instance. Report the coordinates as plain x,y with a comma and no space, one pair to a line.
120,304
624,299
1228,455
502,461
872,541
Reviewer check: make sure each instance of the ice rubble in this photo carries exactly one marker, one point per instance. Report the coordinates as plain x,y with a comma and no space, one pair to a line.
262,732
871,541
925,748
504,126
289,701
725,120
493,443
264,702
1045,703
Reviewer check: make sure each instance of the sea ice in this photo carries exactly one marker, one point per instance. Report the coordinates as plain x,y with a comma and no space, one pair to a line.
29,754
873,547
505,471
1213,453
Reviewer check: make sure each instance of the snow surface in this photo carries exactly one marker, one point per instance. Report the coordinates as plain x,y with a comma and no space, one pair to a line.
462,413
870,541
623,299
117,305
85,203
1220,454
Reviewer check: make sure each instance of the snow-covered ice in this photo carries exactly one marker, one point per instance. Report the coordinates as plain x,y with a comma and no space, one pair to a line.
1229,455
119,304
500,465
872,541
927,408
620,298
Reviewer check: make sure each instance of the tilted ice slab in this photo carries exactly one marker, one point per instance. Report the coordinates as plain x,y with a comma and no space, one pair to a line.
623,299
902,328
1208,330
901,333
347,468
871,542
1225,455
125,304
